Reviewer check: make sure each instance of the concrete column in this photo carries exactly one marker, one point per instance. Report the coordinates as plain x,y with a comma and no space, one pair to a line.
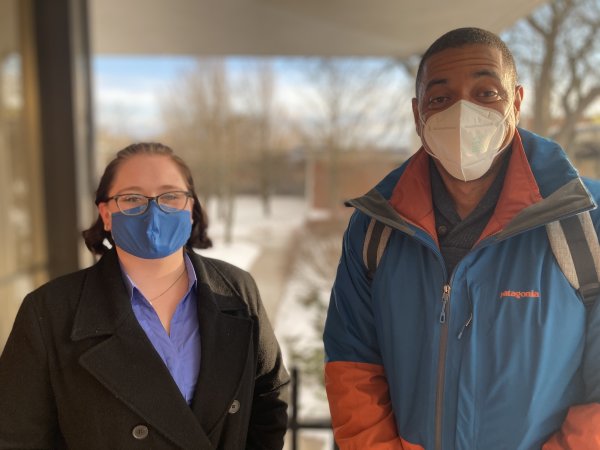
63,63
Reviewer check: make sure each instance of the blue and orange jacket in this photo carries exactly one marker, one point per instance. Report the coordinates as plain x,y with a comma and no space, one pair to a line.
496,355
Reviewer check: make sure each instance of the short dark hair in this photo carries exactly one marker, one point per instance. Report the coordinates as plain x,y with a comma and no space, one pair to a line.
95,235
461,37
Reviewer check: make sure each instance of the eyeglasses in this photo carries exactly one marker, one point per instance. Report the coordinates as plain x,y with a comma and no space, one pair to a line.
136,204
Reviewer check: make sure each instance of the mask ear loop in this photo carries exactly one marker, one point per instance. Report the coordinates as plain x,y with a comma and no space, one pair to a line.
511,107
504,120
422,135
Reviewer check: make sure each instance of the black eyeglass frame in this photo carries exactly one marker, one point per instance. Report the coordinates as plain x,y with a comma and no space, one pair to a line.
187,194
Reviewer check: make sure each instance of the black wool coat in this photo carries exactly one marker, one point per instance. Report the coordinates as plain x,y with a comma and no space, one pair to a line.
78,371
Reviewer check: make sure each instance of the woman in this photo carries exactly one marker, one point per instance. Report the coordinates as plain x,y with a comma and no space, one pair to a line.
153,347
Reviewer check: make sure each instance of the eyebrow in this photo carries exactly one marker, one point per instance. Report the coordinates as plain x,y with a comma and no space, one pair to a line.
166,188
487,73
435,82
477,74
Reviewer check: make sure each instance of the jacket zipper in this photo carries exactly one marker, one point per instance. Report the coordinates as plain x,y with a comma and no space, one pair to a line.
469,321
439,398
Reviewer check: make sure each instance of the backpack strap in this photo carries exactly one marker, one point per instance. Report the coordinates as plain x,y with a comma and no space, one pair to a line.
376,240
574,242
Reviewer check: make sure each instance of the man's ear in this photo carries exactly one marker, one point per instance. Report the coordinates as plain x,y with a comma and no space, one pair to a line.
517,102
416,116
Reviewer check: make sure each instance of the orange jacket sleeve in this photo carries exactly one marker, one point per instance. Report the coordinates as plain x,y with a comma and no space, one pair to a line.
361,409
580,430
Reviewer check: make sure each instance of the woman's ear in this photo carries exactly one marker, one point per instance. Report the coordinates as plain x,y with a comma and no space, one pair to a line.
105,215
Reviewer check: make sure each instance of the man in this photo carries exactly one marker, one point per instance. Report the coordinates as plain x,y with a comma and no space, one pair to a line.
468,335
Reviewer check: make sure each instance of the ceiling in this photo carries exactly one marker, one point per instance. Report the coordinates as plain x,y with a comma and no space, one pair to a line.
9,37
289,27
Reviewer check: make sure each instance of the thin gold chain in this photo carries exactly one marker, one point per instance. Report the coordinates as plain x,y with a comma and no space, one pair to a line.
167,289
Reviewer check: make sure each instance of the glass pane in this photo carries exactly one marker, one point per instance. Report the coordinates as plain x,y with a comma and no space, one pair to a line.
22,241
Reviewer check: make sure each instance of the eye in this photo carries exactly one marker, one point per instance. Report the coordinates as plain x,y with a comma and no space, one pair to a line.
436,101
131,199
171,196
172,201
490,95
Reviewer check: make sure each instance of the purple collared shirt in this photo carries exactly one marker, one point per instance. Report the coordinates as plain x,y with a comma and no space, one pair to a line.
180,351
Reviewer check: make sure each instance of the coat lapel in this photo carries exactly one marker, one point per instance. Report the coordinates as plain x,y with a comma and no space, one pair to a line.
126,362
226,345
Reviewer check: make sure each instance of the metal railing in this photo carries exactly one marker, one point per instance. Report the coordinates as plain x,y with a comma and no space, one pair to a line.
294,424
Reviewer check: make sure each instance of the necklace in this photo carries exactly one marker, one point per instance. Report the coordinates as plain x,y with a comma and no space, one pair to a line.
167,289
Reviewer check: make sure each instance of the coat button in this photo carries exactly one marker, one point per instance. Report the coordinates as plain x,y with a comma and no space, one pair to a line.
235,407
140,432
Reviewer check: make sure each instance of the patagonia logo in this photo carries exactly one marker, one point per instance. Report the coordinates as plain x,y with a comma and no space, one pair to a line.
520,294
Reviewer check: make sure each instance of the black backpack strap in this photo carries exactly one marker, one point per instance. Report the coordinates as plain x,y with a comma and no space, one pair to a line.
574,242
376,240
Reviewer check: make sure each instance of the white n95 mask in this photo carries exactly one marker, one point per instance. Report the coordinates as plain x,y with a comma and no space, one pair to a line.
465,138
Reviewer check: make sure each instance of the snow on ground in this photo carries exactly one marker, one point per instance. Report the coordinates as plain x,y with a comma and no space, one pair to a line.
252,229
240,254
260,244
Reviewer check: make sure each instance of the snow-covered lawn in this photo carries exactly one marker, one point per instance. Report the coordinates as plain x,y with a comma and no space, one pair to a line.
252,229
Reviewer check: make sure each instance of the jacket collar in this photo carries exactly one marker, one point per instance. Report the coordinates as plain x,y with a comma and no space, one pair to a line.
541,186
124,357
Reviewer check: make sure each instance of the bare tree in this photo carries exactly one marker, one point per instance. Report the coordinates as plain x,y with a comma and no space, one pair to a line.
265,105
199,119
558,49
258,91
356,106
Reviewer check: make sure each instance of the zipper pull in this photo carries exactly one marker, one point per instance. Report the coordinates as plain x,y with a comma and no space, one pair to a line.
445,299
466,325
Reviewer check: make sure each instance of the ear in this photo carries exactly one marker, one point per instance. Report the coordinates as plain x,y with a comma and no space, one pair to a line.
517,102
105,215
416,116
191,200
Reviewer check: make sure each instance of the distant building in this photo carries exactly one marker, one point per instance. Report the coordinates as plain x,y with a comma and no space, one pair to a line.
356,173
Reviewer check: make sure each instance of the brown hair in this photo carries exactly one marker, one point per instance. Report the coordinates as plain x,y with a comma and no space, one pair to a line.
95,235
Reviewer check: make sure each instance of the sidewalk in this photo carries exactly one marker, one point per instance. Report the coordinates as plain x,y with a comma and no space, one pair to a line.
271,271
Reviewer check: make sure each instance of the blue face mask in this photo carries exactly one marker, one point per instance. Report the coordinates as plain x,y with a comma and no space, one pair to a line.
153,234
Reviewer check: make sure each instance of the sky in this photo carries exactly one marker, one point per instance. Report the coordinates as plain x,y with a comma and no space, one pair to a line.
128,90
